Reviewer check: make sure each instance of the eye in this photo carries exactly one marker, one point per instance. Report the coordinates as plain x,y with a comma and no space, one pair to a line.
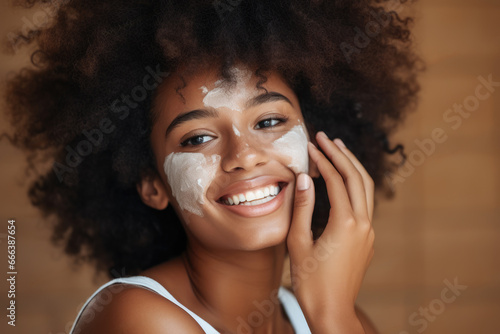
196,140
270,122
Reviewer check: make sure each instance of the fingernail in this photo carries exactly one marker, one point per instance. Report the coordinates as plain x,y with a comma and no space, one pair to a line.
303,182
339,142
322,134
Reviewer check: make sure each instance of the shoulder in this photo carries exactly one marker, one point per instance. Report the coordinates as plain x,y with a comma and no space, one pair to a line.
128,309
368,325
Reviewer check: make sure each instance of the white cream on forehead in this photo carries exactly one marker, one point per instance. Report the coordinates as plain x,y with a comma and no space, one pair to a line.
294,144
231,97
189,175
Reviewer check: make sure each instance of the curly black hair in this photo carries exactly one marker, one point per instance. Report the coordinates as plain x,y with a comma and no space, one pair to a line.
86,102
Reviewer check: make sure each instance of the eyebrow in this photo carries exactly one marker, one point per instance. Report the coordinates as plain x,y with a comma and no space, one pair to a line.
205,113
187,116
267,97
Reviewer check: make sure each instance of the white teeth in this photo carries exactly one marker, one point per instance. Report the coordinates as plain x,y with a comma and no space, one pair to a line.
250,196
259,201
236,200
274,190
256,197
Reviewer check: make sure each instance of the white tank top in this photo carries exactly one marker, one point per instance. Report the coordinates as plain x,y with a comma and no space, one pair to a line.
286,298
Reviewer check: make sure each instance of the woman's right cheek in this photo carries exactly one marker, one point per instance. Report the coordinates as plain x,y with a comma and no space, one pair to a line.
189,175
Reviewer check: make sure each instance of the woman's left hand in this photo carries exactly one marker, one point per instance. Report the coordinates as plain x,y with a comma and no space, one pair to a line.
327,273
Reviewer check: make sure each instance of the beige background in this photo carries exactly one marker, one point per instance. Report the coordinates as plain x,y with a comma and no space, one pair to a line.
442,225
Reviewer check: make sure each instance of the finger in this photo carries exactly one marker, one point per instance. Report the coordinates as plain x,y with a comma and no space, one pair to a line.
337,192
351,176
367,180
300,234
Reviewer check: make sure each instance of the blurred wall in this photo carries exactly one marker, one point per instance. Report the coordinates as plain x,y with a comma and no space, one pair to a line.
442,229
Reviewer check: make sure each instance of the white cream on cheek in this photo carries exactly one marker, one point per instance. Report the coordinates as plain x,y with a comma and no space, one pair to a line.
232,97
189,175
294,145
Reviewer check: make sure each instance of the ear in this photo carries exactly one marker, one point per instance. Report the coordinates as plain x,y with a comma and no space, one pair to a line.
152,191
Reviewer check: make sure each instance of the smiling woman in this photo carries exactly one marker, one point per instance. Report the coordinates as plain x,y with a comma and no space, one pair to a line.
204,187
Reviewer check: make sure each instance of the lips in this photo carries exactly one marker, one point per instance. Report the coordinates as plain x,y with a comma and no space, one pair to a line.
259,207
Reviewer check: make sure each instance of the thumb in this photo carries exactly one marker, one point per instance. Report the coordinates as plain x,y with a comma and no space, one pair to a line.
303,207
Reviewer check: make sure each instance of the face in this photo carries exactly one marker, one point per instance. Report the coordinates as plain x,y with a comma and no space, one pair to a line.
228,154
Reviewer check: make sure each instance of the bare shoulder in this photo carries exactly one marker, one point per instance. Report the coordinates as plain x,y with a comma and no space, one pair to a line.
128,309
368,325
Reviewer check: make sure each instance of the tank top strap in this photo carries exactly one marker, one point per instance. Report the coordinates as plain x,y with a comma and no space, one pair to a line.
288,300
154,286
294,312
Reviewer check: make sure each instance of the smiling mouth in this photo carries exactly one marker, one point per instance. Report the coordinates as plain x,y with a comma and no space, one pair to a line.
253,197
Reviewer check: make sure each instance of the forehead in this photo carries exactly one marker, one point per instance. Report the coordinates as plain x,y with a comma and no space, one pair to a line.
178,93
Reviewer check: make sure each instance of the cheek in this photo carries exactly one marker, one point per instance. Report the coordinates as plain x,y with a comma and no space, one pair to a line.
189,175
293,146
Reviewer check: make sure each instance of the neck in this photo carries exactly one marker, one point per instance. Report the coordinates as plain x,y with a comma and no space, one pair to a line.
238,288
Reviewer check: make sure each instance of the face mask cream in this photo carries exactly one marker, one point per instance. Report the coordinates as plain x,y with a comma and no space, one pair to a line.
189,175
236,131
294,145
231,97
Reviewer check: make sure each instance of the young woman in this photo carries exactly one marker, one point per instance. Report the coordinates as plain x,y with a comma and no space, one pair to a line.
186,156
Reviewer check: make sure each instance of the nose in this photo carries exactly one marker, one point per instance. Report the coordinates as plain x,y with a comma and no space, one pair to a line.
243,152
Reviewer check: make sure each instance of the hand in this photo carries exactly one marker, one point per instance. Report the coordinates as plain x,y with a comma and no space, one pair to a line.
327,273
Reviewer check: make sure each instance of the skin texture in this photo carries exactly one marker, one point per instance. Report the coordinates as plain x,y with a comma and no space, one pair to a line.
233,261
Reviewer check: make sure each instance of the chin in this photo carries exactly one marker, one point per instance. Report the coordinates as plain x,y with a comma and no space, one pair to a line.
273,233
